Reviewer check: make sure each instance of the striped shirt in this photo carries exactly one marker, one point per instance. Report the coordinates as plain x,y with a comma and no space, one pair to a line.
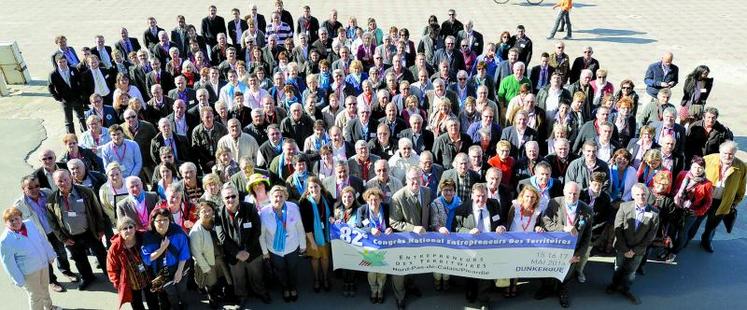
282,31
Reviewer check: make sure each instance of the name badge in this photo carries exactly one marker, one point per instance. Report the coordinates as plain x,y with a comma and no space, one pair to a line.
366,222
322,225
522,45
248,225
372,135
141,268
648,215
79,200
72,213
496,218
703,90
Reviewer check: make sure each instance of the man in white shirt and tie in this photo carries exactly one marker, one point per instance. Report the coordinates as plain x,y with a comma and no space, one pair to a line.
94,80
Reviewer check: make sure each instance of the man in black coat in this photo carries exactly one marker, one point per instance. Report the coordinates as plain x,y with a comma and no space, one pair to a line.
422,140
238,227
166,137
236,28
212,25
126,45
64,86
150,35
98,80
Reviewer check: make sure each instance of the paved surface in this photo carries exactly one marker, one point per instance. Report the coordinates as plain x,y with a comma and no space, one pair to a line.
626,36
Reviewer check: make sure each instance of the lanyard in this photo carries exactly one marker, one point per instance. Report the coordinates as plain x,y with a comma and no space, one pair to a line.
378,220
521,219
124,152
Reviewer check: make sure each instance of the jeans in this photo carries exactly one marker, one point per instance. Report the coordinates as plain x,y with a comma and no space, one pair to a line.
563,16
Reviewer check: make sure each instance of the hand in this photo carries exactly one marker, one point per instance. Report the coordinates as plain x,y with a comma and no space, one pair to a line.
670,84
313,246
474,231
69,242
539,229
188,224
443,230
331,219
575,259
418,230
388,231
500,229
266,256
664,84
177,276
375,231
165,244
572,230
629,254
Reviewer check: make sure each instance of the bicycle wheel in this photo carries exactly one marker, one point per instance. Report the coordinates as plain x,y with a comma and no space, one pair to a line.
535,2
500,1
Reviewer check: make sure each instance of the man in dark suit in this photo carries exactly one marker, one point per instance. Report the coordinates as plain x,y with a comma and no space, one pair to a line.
183,92
126,45
65,50
107,113
362,164
479,214
505,68
138,73
409,212
342,179
540,74
474,38
519,134
49,165
422,140
451,55
182,123
213,85
159,106
130,206
150,35
636,224
179,145
212,25
661,74
547,186
567,214
584,62
103,51
308,24
523,44
236,28
431,172
258,19
179,35
159,76
450,143
592,129
97,80
64,86
161,49
462,175
361,128
668,127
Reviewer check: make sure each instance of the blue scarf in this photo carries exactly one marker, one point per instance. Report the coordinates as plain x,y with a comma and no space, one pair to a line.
533,181
378,220
319,142
281,164
279,242
450,209
618,186
279,147
140,197
320,230
300,181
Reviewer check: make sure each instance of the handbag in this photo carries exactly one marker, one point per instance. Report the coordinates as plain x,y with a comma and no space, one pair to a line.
730,219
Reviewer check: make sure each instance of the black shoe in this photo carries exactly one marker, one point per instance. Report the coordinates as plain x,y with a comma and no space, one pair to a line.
265,298
327,285
286,296
374,299
400,305
317,286
471,296
706,246
633,299
641,271
380,299
437,284
567,38
564,299
72,277
85,283
294,295
611,289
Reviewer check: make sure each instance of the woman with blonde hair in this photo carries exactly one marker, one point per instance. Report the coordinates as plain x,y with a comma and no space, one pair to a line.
317,214
650,166
443,113
523,216
373,217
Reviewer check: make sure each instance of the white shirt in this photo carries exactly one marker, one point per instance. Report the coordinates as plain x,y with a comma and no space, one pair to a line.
295,235
520,222
99,81
483,226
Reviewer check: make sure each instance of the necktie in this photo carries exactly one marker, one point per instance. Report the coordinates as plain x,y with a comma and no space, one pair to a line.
128,47
66,76
481,221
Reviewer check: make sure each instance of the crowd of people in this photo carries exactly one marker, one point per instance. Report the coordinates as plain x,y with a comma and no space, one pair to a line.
216,162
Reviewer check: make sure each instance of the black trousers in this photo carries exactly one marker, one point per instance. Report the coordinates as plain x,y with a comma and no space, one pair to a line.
63,264
83,242
151,299
712,222
76,107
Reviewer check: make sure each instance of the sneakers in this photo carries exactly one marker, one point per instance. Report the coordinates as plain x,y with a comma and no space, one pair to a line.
70,276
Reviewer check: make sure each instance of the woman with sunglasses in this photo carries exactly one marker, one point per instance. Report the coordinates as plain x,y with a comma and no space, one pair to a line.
126,269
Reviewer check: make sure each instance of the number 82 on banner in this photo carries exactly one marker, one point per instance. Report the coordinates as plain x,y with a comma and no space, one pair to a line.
352,236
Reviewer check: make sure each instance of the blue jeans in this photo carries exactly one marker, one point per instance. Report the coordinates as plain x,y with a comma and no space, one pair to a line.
563,16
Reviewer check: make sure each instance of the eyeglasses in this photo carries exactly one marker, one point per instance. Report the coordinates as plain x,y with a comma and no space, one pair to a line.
462,79
47,158
33,186
130,117
377,57
465,45
627,87
588,52
130,227
229,197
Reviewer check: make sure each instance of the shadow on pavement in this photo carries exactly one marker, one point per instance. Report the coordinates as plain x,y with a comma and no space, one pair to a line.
610,32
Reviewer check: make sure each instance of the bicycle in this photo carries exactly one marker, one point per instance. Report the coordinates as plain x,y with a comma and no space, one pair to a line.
532,2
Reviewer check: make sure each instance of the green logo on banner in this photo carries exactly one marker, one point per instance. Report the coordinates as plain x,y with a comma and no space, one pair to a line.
372,258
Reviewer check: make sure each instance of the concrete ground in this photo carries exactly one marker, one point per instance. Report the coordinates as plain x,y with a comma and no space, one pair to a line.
626,37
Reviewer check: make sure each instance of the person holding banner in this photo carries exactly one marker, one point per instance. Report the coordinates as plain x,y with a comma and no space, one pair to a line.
567,214
346,211
636,223
283,239
316,214
441,220
409,213
479,215
523,216
373,217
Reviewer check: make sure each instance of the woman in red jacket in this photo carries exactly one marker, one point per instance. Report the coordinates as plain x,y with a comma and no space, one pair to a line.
693,195
126,269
